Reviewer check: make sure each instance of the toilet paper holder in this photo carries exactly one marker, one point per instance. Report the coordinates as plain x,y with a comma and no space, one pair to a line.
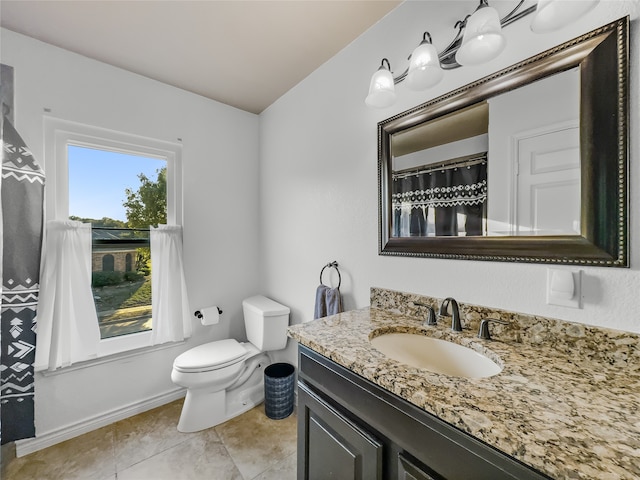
198,313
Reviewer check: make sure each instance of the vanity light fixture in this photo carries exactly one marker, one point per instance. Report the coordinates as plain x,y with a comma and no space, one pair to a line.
479,39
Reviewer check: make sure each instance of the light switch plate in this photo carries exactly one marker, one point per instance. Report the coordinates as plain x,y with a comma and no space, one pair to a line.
559,279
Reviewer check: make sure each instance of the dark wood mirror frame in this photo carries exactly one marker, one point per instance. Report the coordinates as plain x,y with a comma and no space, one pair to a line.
602,56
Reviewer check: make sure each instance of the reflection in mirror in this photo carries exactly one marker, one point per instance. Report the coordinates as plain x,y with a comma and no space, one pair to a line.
534,152
528,164
499,167
439,176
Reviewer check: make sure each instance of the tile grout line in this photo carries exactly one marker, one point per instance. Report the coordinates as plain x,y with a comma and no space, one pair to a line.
114,438
224,445
187,437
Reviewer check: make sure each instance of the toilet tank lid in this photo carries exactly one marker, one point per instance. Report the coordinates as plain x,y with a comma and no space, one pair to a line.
265,306
209,354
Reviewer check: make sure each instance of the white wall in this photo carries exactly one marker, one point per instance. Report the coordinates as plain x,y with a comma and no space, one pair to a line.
220,183
318,146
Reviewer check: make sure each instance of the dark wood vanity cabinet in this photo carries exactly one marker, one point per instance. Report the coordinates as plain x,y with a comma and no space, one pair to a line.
349,428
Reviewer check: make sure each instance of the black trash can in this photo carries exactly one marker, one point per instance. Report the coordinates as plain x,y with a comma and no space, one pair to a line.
278,390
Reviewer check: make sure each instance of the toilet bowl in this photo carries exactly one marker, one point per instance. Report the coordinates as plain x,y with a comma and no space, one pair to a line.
225,378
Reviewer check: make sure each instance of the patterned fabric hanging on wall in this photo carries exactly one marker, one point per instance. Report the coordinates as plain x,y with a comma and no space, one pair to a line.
22,192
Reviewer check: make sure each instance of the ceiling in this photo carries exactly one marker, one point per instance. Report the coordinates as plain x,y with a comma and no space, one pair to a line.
241,53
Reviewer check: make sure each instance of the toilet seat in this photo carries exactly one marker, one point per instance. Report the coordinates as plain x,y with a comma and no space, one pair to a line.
210,356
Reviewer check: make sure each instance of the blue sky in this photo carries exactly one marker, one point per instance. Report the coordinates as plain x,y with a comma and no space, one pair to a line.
98,179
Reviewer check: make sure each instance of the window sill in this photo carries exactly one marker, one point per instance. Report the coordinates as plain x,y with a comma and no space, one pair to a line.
115,349
124,343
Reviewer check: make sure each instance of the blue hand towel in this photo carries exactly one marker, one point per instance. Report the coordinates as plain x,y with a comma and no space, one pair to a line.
321,302
334,301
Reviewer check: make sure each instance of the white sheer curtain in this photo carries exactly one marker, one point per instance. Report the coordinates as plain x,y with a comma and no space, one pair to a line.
67,323
169,301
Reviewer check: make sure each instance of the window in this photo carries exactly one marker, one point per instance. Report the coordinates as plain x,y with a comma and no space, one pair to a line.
121,195
107,263
121,184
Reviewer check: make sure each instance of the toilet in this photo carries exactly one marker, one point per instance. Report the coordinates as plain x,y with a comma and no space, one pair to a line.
226,378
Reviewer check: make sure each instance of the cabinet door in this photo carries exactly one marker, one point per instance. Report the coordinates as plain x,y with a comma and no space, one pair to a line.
330,446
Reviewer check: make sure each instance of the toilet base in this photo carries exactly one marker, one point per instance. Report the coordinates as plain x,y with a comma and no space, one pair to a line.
202,409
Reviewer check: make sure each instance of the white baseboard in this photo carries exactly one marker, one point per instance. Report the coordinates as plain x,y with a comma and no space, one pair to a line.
47,439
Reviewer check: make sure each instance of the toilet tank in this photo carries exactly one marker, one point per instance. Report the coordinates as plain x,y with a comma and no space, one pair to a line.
266,322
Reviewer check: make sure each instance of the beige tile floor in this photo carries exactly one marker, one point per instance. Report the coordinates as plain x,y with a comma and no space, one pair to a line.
149,447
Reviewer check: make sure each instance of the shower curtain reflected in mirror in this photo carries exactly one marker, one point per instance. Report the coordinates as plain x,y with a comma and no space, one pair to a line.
448,200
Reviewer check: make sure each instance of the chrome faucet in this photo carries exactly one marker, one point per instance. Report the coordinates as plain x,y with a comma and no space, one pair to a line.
455,313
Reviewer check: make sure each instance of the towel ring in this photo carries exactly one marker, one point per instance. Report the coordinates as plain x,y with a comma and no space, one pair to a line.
333,264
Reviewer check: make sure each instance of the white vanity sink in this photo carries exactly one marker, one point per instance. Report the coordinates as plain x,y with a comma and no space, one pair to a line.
435,355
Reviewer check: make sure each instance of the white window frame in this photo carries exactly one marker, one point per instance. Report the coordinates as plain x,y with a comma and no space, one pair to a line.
58,135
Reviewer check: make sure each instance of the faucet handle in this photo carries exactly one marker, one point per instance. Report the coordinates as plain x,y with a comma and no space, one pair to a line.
483,331
431,314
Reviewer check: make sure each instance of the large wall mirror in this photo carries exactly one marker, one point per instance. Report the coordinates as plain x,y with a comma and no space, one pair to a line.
528,164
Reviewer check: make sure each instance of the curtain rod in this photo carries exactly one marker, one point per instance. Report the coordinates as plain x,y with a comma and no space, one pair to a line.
459,162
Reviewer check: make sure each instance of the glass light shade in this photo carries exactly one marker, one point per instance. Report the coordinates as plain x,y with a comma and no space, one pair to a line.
554,14
382,92
482,40
424,68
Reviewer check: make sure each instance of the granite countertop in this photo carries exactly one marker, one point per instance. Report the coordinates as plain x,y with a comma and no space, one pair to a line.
566,413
